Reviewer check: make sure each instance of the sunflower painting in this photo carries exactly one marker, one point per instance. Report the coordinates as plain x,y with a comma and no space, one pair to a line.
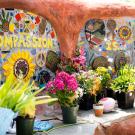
124,32
19,63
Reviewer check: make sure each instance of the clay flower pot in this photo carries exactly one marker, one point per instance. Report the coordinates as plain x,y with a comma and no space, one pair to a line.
98,109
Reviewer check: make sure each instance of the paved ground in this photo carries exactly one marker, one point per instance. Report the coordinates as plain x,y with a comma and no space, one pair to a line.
90,123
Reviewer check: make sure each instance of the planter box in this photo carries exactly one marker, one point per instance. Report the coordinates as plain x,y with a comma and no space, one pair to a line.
6,117
125,100
86,102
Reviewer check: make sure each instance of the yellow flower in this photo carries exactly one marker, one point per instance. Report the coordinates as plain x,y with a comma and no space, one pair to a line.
20,64
131,87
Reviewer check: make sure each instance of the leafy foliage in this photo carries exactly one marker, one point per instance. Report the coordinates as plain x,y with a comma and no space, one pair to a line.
126,79
105,76
19,96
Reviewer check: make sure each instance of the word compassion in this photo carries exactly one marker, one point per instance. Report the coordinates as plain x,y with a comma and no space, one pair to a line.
25,41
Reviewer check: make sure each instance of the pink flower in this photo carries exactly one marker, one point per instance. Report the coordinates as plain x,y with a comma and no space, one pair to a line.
81,50
82,60
72,84
59,84
62,76
49,85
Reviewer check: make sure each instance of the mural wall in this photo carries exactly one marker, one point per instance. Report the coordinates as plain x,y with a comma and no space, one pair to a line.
108,42
29,37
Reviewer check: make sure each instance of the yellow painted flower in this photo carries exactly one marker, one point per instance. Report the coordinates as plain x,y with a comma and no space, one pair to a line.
124,32
19,63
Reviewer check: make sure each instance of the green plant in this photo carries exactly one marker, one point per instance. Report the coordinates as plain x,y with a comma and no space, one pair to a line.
125,80
105,76
18,96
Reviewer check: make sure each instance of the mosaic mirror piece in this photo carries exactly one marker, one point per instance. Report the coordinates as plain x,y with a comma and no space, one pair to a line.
124,32
100,62
41,59
95,32
111,25
52,60
120,60
43,77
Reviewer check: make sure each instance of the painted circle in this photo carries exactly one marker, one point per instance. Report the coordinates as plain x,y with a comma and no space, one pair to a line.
100,62
111,25
124,32
21,65
95,31
120,60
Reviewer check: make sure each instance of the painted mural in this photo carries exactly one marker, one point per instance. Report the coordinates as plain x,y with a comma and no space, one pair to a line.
108,41
27,35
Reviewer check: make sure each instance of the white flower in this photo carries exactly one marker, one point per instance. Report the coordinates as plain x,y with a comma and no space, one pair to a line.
79,92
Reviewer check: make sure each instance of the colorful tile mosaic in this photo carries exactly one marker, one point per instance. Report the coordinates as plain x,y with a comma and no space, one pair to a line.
115,35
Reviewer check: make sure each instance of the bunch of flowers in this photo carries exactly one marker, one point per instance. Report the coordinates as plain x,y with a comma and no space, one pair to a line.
79,60
75,64
105,76
89,81
65,88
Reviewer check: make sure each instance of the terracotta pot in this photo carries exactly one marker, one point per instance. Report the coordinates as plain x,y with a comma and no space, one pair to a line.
98,109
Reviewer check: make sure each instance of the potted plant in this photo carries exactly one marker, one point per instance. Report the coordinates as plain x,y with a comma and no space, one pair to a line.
90,83
98,109
17,96
77,63
105,77
65,88
124,86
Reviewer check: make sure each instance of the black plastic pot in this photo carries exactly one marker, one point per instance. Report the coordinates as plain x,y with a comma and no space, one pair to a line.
69,114
24,126
86,102
125,100
109,93
99,96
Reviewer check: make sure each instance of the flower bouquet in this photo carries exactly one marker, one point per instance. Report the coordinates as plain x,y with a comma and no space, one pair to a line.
65,88
77,63
105,77
90,82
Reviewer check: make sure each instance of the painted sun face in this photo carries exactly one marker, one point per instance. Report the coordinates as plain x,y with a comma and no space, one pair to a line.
20,64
